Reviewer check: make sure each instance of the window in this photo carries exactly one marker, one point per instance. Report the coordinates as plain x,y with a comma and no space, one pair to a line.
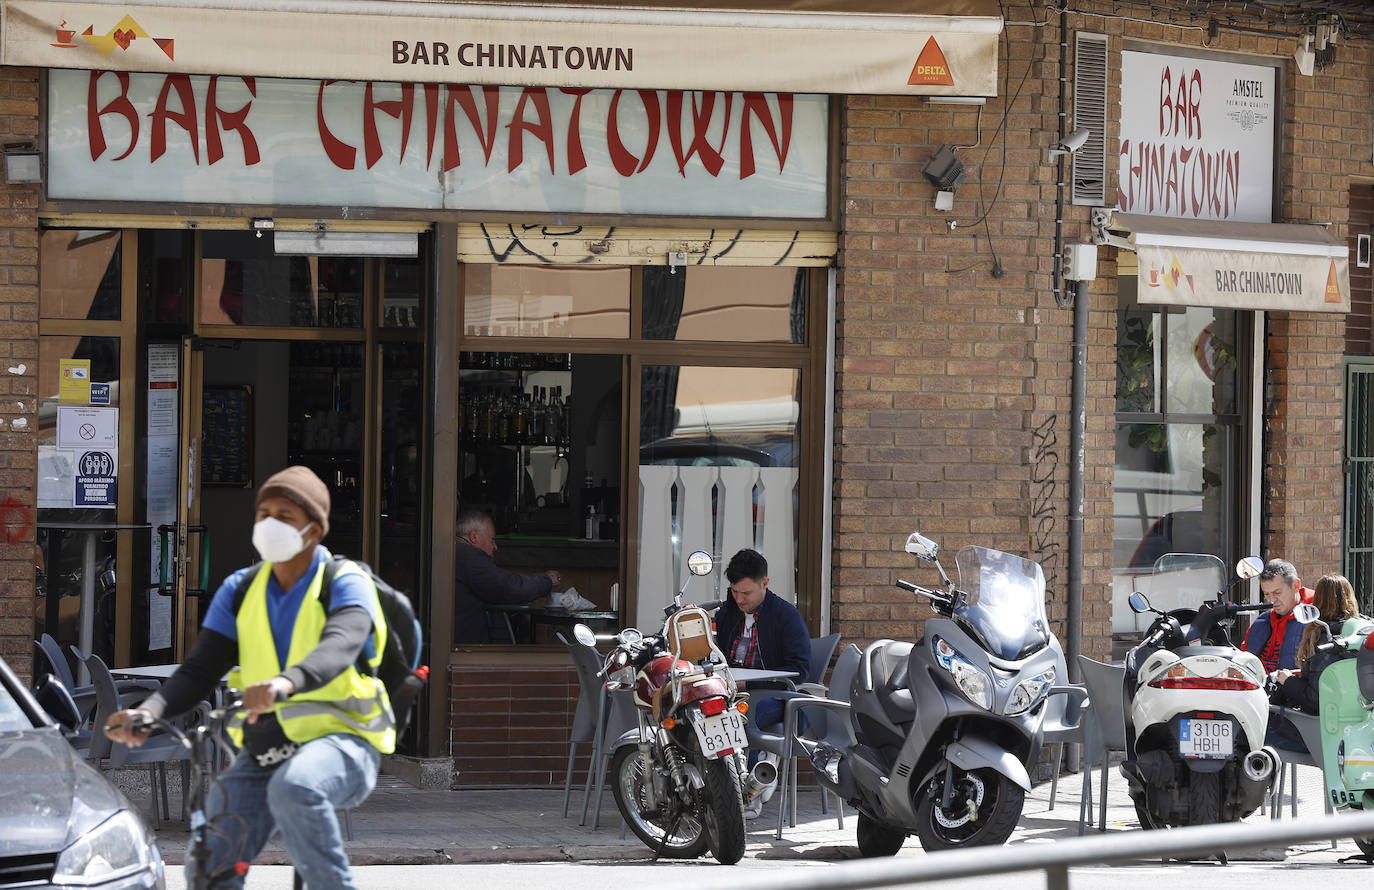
1177,446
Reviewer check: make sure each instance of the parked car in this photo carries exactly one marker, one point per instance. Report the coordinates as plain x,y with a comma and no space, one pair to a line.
62,823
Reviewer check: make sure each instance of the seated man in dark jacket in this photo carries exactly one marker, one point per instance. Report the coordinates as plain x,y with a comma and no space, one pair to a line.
478,580
757,628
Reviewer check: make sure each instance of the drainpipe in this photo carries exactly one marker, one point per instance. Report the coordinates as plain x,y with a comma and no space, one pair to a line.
1079,388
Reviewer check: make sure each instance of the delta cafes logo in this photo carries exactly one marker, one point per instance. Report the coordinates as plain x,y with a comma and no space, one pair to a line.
931,69
121,37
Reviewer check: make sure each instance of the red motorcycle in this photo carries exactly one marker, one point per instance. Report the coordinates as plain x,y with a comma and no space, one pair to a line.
681,778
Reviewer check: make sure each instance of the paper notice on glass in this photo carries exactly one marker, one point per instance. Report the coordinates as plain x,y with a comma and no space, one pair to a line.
161,494
56,477
162,389
74,384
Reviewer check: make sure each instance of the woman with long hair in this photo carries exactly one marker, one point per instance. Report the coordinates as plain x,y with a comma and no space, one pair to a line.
1334,598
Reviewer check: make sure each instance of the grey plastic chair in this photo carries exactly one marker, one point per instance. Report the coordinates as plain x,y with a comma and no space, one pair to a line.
828,717
1064,725
155,753
1309,727
601,717
822,650
1104,732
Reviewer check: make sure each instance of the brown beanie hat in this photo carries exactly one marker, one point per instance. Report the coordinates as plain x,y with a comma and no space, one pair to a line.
302,487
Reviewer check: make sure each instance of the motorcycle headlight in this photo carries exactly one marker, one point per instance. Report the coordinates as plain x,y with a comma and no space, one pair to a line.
972,682
1029,693
116,848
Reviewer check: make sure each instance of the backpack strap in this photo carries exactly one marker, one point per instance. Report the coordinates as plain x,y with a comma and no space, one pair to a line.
244,583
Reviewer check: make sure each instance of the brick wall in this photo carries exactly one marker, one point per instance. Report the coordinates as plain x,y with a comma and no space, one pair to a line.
18,377
953,384
954,365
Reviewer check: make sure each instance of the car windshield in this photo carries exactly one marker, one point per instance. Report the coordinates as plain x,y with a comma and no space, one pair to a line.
1004,605
12,716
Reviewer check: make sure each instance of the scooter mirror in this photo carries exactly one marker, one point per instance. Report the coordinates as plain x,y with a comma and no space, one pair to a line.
921,547
1249,567
699,563
1306,613
583,634
1139,602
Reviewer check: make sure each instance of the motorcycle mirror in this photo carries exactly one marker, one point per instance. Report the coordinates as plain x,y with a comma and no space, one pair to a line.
921,547
699,563
1139,602
1306,613
583,634
1249,567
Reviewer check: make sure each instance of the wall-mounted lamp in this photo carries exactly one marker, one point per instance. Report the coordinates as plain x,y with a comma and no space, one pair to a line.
1072,143
944,170
23,163
1305,56
261,225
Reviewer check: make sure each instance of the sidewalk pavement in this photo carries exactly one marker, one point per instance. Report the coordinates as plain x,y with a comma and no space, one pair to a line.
402,825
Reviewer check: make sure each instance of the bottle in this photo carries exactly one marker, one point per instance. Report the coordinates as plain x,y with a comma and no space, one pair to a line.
553,427
534,419
519,418
590,524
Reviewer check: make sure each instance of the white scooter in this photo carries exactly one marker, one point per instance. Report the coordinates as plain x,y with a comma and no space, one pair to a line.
1196,707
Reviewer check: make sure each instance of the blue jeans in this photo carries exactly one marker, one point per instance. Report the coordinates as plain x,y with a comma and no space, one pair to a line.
299,797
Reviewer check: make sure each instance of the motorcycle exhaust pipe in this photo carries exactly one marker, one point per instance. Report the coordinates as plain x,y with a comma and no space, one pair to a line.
761,778
1260,764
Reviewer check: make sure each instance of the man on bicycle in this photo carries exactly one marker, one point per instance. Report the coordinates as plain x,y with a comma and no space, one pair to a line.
316,726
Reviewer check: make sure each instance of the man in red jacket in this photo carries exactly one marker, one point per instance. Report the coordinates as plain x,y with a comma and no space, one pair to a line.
1275,635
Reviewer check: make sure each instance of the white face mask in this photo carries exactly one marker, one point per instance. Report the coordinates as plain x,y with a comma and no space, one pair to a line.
277,541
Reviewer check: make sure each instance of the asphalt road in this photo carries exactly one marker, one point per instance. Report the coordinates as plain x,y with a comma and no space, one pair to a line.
1293,874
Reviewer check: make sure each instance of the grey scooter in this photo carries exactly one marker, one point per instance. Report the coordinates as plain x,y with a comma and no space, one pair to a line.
941,731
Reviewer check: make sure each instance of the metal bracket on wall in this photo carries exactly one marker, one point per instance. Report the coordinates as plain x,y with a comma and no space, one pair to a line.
676,258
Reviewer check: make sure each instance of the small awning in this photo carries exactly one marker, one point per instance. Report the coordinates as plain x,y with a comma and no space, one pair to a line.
925,47
1285,267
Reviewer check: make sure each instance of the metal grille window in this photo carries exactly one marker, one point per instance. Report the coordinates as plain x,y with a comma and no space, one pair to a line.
1359,481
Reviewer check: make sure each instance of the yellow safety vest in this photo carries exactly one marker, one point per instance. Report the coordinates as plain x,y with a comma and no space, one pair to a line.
351,702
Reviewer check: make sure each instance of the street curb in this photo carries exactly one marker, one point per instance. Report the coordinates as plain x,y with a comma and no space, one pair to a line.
358,856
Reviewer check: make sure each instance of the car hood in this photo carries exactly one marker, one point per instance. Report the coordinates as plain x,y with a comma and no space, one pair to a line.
48,796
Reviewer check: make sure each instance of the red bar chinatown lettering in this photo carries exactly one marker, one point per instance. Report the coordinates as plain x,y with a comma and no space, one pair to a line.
95,131
186,117
701,121
487,138
215,118
621,157
1180,105
402,109
576,159
431,120
340,152
756,104
542,130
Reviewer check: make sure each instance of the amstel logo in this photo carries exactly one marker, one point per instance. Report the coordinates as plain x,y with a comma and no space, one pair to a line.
120,37
931,69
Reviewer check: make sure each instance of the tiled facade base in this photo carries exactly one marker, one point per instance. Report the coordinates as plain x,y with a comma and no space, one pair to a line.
510,726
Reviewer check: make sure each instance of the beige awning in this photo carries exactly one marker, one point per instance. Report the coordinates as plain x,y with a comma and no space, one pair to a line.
927,47
1287,267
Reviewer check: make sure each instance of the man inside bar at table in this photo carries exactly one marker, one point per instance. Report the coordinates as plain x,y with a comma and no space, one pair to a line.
1275,635
479,581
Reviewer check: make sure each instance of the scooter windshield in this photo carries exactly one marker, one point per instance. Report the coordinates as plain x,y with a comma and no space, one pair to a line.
1004,602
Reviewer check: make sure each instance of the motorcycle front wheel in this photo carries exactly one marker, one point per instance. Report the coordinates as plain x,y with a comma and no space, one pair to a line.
724,810
689,837
998,801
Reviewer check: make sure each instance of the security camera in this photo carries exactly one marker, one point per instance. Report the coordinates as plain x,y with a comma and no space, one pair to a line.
1071,143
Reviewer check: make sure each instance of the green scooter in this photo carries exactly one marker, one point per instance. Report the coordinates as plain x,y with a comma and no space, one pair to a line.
1346,700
